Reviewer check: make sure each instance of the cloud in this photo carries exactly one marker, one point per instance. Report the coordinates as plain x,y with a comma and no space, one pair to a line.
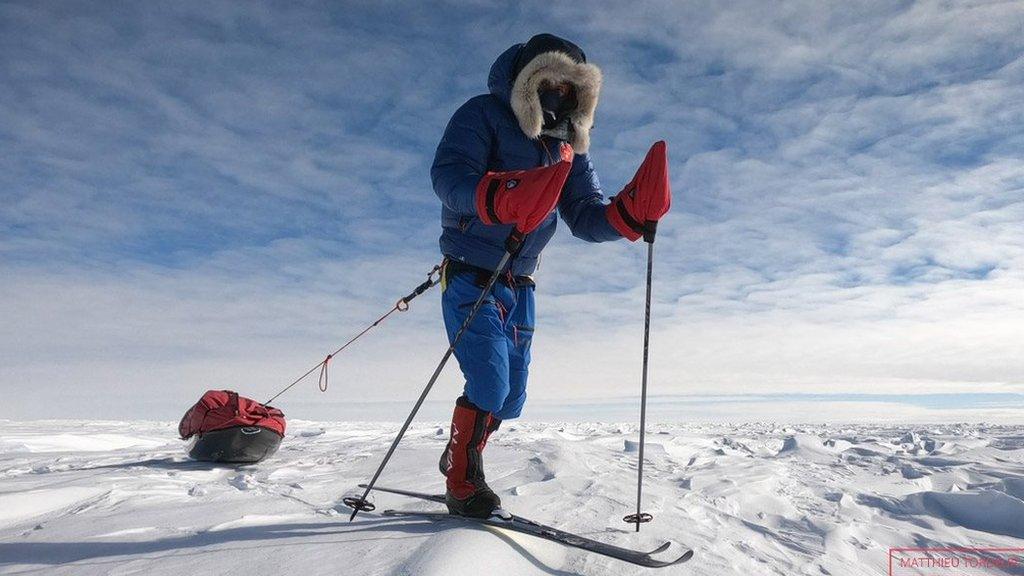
213,195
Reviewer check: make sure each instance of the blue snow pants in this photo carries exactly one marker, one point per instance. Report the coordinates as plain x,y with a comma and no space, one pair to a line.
494,352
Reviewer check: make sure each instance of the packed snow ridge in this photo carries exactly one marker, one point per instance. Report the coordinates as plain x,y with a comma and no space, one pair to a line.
120,497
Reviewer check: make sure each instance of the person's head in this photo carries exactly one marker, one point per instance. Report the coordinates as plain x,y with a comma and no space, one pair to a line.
557,100
554,87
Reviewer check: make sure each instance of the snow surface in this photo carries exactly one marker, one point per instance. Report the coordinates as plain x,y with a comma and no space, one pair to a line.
121,498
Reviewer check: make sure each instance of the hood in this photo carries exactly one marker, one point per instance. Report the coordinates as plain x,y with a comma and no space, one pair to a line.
520,92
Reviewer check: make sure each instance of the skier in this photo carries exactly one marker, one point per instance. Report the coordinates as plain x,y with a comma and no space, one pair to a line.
498,156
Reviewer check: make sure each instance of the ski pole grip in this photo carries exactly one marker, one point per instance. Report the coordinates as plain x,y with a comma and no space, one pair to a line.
650,229
514,241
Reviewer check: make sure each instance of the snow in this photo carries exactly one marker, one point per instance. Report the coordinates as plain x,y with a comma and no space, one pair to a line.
68,442
24,505
120,497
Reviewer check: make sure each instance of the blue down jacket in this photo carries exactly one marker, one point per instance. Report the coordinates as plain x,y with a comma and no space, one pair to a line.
484,135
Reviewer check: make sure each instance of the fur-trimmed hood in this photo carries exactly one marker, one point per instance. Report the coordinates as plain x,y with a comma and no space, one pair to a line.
520,93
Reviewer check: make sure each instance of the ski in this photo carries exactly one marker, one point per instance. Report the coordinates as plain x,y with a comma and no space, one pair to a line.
529,527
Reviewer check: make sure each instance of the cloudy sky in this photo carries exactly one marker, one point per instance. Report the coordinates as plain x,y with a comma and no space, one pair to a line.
214,195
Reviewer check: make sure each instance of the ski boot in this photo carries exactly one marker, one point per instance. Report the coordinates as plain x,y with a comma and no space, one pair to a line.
462,462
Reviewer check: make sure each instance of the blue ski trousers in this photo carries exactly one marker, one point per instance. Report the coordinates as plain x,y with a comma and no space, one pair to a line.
494,352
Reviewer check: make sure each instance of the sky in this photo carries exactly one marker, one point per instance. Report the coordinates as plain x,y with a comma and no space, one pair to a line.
209,194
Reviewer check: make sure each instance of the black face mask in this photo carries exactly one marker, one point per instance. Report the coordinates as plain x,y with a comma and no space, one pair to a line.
555,107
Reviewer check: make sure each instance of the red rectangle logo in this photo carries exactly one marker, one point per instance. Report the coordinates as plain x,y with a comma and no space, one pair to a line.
953,560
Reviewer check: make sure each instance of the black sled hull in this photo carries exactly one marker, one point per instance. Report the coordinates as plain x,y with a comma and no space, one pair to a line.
237,445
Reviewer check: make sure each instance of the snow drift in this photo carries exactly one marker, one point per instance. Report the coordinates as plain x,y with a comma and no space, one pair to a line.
99,498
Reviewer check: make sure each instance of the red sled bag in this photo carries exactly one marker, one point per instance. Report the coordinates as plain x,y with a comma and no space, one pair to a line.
230,428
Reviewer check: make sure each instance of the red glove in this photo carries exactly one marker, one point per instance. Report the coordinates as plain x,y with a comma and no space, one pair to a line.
637,208
522,197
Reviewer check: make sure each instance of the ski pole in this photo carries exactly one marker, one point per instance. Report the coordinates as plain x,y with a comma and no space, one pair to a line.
650,227
512,244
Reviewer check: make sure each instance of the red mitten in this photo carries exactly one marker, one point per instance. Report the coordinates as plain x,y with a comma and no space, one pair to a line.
522,197
645,199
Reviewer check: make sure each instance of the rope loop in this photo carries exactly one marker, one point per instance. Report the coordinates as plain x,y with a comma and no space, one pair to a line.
322,381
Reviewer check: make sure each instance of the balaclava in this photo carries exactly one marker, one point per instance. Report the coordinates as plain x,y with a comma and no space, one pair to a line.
554,105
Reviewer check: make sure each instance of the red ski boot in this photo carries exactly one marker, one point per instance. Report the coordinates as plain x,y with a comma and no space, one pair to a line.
463,464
